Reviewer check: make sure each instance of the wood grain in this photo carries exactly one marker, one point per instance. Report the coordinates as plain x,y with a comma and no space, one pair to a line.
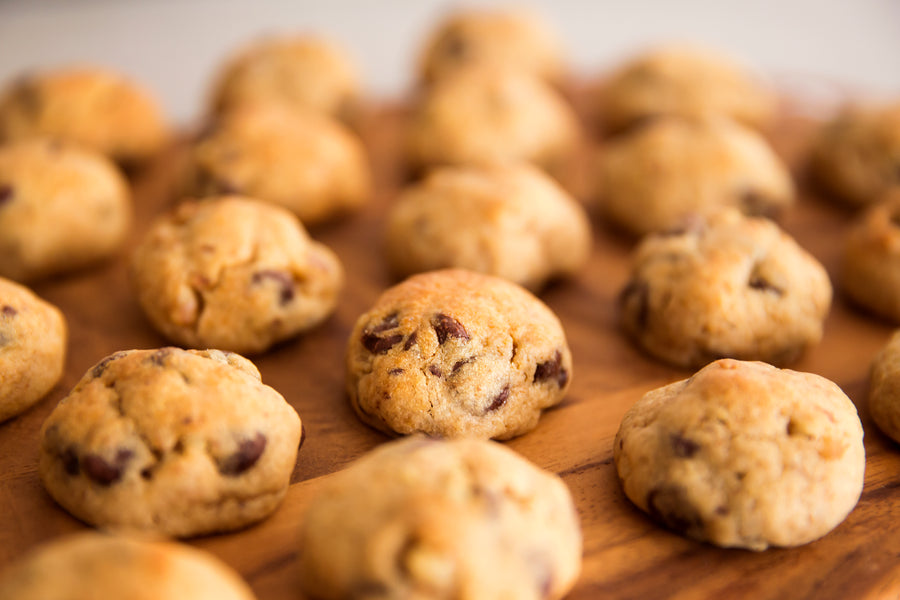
626,555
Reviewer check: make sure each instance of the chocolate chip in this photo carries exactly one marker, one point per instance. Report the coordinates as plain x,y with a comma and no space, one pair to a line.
455,46
248,452
447,327
391,321
70,461
380,345
396,371
669,505
551,370
302,436
757,282
284,280
637,294
722,510
97,468
6,193
100,367
159,357
683,447
435,370
499,401
753,203
9,311
460,364
411,340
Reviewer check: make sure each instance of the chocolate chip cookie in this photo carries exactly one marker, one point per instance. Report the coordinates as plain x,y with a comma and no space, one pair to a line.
62,208
884,388
94,565
744,455
725,286
306,162
649,180
91,106
454,353
33,337
234,273
180,442
422,518
512,221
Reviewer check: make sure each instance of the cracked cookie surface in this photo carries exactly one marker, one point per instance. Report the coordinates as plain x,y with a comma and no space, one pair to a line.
235,274
33,336
743,454
454,353
422,518
180,442
724,286
93,565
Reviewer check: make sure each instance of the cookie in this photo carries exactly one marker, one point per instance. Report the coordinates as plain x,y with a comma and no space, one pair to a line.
62,208
743,455
454,353
856,156
870,263
884,388
482,115
725,286
33,337
650,179
304,72
511,221
305,162
422,518
179,442
508,38
234,273
684,81
91,106
90,565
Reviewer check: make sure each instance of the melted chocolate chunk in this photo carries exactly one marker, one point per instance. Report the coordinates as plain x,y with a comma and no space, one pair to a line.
100,367
755,204
637,292
762,284
447,327
9,311
70,461
284,280
380,345
411,340
395,371
103,472
460,364
435,370
6,193
684,447
499,401
248,452
551,370
669,505
159,357
390,322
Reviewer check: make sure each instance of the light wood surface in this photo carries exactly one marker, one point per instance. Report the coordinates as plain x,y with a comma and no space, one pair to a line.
626,555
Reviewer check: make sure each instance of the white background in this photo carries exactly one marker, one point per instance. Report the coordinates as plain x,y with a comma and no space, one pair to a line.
815,48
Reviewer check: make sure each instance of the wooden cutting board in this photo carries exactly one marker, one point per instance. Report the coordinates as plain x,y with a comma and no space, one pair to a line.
626,555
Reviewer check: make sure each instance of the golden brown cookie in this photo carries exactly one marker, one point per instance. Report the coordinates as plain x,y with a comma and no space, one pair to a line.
884,388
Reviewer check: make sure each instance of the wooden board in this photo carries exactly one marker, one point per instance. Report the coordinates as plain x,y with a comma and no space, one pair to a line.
626,555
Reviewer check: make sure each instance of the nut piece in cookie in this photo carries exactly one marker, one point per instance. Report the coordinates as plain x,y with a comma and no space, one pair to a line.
512,221
62,208
670,168
179,442
725,286
454,353
96,565
90,106
422,518
234,273
33,338
743,455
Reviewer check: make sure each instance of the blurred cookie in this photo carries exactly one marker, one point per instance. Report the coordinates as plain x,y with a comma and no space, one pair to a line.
454,353
856,156
884,388
507,38
422,518
870,266
651,179
305,162
91,106
744,455
33,337
725,286
304,72
684,81
180,442
91,565
482,115
234,273
512,221
61,208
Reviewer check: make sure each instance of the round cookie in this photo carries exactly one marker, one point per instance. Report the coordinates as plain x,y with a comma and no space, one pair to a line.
234,273
454,353
511,221
743,455
884,388
61,208
33,337
91,106
422,518
870,266
651,179
304,72
482,115
683,81
856,156
88,566
306,162
179,442
727,286
508,38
